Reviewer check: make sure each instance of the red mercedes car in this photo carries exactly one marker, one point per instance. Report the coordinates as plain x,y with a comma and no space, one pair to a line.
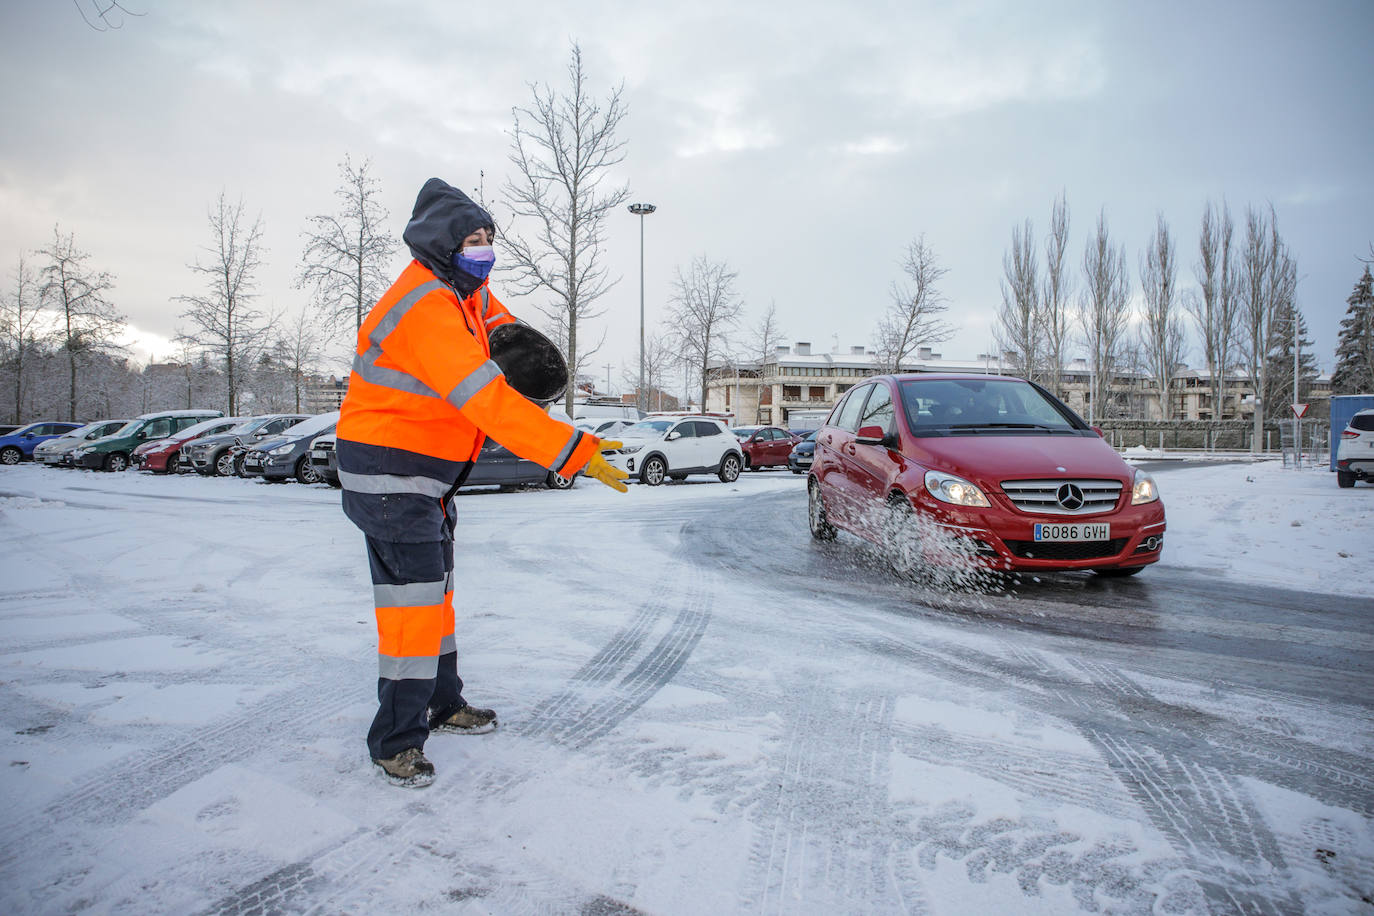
993,471
163,456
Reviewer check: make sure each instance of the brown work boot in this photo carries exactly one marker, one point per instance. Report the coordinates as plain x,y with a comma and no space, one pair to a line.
408,769
468,720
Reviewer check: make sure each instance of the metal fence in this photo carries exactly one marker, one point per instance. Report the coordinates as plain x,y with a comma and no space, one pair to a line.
1218,436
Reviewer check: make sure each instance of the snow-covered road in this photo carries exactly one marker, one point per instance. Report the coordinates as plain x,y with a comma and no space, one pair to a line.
703,711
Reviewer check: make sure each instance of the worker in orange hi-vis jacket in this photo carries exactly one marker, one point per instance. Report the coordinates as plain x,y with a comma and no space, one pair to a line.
440,364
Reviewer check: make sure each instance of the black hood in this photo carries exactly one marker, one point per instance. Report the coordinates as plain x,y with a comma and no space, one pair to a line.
442,218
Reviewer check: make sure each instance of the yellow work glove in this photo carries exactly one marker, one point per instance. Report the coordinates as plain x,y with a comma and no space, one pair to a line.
601,470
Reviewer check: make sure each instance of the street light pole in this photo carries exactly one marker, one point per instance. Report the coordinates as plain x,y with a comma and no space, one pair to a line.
641,211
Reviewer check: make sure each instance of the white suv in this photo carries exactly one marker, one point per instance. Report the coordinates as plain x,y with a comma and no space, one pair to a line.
673,447
1355,454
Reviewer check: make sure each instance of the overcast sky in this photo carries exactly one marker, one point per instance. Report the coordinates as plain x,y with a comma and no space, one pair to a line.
803,143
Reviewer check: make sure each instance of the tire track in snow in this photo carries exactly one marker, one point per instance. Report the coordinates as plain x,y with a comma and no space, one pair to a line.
594,704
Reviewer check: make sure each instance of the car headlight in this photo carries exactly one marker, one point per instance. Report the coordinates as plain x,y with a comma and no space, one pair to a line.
954,490
629,449
80,453
281,450
1144,490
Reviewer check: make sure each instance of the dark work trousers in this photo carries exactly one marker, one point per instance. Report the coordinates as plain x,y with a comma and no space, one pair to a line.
418,658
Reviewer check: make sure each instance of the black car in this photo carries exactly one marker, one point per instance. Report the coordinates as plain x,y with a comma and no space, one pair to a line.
288,455
212,455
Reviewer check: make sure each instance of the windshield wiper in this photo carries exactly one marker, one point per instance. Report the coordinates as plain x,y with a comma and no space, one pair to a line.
1000,426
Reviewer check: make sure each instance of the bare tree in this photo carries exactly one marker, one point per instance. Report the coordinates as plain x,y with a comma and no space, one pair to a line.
913,317
1103,310
224,321
87,322
661,359
103,15
704,308
346,253
1055,318
1215,310
763,346
296,351
1267,286
1162,340
1019,329
18,328
563,145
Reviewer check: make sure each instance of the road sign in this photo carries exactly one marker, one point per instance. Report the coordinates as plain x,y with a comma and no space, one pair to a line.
1299,410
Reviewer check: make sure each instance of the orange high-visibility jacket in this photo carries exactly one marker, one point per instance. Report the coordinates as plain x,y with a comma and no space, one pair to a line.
422,395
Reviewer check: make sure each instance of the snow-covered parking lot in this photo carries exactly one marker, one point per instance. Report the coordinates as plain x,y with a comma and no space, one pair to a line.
703,711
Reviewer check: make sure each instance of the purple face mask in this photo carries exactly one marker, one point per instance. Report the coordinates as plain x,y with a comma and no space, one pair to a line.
475,261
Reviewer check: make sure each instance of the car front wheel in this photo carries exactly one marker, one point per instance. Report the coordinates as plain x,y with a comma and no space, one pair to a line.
900,542
654,471
173,463
116,461
11,455
224,464
821,529
729,468
305,472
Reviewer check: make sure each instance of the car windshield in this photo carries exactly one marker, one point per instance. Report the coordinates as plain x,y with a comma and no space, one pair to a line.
647,428
312,426
191,432
128,429
247,426
973,405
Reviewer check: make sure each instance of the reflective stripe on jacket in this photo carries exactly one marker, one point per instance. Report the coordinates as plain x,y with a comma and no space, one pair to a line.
423,394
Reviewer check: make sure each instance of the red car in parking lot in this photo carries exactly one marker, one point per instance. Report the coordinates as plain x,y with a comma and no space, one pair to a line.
163,456
995,464
765,446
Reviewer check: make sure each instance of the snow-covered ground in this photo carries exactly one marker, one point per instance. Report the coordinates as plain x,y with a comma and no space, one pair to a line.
188,671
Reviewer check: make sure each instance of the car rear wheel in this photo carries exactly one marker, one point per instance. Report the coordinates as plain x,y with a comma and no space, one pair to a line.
224,464
116,461
11,455
1344,479
1119,572
729,468
653,471
819,523
559,482
305,472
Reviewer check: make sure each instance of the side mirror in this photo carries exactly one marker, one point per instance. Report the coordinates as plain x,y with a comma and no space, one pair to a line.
674,435
870,435
1101,434
28,435
141,434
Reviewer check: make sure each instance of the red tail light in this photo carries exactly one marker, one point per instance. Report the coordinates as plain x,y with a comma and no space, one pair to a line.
1350,434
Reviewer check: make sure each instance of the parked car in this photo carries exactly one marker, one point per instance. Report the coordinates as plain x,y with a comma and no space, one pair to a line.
998,464
764,446
163,456
211,455
288,454
1355,454
111,453
498,466
324,459
799,459
673,447
59,451
18,445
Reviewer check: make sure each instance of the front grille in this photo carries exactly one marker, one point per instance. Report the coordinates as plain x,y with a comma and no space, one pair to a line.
1066,550
1042,497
